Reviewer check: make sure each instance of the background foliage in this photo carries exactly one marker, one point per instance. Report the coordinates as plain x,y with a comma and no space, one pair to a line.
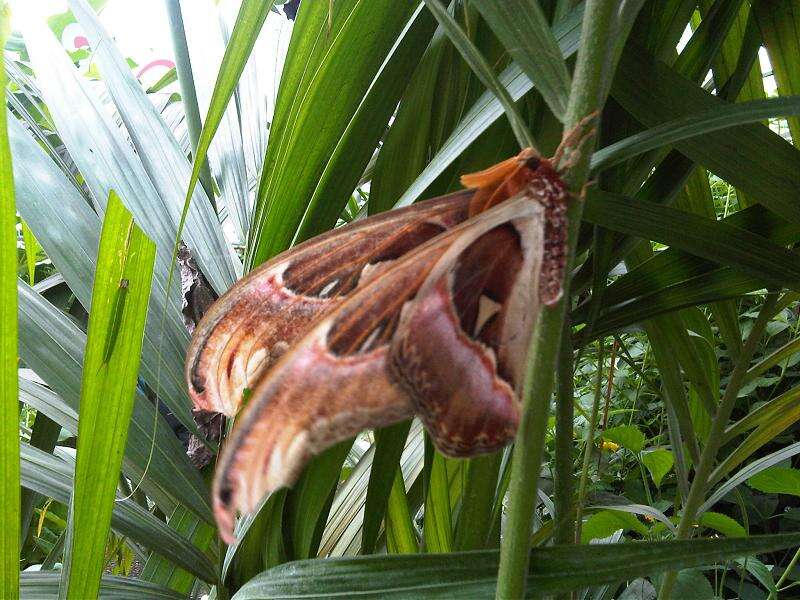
676,405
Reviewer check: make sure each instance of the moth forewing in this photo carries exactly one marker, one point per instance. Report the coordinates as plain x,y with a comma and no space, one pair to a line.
254,323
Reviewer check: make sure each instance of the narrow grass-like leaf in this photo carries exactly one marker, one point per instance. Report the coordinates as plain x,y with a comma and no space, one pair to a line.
257,87
9,404
348,40
31,250
714,240
171,76
697,198
249,21
255,534
785,352
259,541
434,101
346,516
474,522
721,284
53,477
47,402
348,160
163,571
43,585
110,370
659,331
738,56
765,433
698,124
389,443
400,535
523,29
696,57
751,157
356,500
747,472
640,509
183,74
778,22
406,146
674,279
44,436
473,574
438,518
309,500
161,156
665,332
488,109
483,71
696,352
672,266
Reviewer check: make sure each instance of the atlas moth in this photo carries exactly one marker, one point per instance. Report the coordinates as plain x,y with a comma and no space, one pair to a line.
426,310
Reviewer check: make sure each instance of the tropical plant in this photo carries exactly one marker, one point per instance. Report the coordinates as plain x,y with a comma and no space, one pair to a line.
659,407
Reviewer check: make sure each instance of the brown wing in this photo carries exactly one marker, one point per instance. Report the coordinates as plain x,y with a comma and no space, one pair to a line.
256,321
460,346
334,382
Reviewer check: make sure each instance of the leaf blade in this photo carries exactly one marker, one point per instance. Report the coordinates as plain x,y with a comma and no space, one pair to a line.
113,347
523,29
9,407
554,569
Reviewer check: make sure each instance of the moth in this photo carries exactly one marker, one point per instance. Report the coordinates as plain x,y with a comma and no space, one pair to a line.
425,310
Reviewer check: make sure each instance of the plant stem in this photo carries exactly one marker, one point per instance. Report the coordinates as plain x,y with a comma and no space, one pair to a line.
644,480
785,574
585,98
528,452
587,450
610,384
607,402
708,456
564,531
183,67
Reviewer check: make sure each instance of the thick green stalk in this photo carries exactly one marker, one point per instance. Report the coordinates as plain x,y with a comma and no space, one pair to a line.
585,99
564,531
789,568
708,457
587,450
183,67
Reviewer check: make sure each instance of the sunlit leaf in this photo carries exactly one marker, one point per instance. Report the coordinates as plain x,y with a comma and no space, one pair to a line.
658,463
722,523
9,405
110,370
627,436
777,480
